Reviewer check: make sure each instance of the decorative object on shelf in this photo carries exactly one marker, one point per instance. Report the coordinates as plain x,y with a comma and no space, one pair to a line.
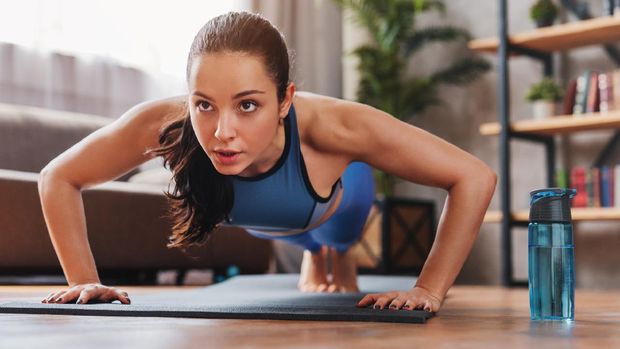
544,13
383,62
544,97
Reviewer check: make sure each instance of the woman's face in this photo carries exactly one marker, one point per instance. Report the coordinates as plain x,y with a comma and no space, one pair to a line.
234,107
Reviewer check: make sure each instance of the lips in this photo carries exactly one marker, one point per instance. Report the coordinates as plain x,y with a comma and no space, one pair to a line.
226,151
227,157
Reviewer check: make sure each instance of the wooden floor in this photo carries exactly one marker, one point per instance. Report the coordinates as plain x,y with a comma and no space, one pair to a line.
471,317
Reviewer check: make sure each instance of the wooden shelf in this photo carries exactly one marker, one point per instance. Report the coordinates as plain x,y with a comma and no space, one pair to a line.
578,214
559,37
558,124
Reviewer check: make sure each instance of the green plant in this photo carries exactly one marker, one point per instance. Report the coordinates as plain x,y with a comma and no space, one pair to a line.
382,63
544,12
546,90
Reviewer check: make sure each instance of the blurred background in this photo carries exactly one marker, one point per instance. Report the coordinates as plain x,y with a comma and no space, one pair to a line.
65,63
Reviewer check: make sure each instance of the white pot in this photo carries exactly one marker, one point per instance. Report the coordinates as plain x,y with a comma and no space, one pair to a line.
543,109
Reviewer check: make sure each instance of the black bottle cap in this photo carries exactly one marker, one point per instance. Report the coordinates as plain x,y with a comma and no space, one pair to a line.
551,205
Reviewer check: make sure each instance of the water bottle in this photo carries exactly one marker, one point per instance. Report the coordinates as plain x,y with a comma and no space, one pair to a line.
551,255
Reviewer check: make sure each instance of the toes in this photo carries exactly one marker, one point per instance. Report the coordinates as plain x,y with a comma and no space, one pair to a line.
322,288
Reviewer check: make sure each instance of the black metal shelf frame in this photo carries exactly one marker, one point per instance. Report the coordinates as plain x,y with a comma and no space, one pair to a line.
506,134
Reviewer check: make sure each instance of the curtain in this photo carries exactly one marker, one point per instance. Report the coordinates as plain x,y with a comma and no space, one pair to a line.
312,29
73,83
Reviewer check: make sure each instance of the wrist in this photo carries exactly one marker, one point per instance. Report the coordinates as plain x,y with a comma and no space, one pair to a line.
82,282
437,295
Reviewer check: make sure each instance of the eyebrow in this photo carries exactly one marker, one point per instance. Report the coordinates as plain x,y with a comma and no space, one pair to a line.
238,95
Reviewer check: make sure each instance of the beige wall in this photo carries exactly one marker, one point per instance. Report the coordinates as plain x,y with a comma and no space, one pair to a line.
467,108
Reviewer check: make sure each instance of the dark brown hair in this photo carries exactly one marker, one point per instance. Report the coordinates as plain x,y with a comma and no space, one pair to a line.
202,197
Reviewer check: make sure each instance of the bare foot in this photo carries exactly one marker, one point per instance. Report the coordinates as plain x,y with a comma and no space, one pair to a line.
344,272
313,275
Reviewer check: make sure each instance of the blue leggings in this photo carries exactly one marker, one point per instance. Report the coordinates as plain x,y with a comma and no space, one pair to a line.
344,227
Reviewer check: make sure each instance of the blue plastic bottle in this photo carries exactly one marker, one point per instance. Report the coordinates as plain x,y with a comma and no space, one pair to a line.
551,255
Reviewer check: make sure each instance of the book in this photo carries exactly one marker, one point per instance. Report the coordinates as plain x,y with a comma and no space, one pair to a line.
605,93
569,97
615,88
595,187
612,187
577,178
592,101
606,186
581,95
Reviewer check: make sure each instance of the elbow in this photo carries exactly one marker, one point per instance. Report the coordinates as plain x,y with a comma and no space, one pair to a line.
488,180
44,176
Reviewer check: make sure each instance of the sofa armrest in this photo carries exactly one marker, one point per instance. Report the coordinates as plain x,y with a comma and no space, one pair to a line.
126,230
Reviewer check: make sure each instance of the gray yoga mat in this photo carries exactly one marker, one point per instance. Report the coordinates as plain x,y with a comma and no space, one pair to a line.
272,296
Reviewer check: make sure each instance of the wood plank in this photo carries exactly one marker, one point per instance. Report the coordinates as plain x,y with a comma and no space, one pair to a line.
558,124
559,37
578,214
471,317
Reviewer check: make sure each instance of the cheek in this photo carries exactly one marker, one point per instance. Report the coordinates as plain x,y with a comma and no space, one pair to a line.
203,132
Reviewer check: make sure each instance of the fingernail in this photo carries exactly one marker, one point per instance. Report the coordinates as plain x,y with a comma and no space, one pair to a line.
375,307
392,307
128,300
79,301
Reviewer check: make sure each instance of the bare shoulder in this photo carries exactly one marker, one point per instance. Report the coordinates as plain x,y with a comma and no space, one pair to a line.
158,112
316,115
333,125
359,132
153,115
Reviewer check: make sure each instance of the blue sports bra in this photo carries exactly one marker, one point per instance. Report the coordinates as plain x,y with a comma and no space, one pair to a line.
282,198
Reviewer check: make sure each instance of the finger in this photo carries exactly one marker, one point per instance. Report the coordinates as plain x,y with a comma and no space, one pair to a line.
61,297
84,297
367,300
409,305
397,303
428,306
55,296
123,297
383,301
45,300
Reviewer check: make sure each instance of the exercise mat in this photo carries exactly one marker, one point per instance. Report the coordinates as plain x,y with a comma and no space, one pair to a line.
270,296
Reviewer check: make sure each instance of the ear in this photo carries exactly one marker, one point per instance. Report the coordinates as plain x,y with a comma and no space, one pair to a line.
288,100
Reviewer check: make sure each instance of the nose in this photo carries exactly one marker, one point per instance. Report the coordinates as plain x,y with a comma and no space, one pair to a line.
225,128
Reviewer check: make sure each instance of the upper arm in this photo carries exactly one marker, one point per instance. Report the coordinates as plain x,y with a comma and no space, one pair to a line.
117,148
367,134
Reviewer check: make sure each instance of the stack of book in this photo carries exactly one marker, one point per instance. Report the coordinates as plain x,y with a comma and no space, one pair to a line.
595,186
592,92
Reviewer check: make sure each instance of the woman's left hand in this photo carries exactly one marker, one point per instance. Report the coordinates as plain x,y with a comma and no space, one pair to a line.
416,298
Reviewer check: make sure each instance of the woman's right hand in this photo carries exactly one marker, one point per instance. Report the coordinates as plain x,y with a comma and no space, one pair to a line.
85,293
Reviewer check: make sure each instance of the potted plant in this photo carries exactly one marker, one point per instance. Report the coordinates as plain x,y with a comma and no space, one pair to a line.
544,97
382,63
544,13
400,231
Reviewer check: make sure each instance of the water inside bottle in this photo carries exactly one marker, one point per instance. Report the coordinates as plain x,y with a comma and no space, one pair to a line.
551,273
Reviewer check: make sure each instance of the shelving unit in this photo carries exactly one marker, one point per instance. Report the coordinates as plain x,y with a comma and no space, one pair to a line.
541,44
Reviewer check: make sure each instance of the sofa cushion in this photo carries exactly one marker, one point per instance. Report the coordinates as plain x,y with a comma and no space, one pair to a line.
31,137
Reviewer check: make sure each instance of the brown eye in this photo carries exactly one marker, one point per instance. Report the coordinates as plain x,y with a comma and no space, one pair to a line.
202,103
247,106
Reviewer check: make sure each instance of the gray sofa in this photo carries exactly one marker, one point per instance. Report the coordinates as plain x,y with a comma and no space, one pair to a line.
126,228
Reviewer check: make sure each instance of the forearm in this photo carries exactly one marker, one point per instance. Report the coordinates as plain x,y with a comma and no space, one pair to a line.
457,230
63,211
